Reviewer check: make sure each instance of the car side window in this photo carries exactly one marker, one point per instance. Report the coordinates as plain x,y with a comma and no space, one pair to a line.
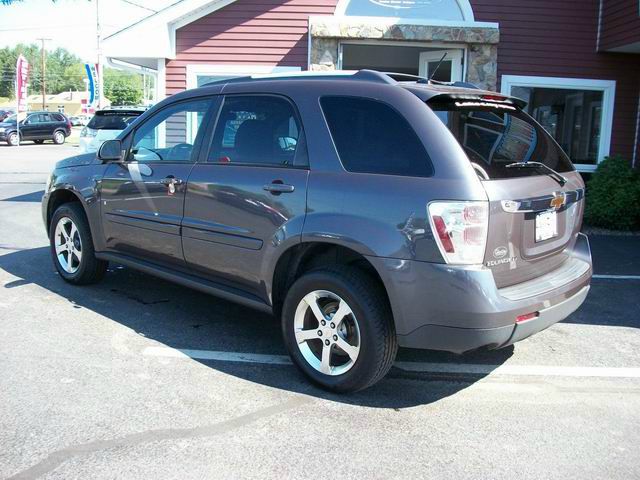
258,130
372,137
169,136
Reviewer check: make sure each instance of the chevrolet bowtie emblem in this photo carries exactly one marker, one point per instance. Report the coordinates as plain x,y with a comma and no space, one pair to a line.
558,201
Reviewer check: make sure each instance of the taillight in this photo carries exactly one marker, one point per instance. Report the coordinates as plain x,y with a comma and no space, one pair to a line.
460,229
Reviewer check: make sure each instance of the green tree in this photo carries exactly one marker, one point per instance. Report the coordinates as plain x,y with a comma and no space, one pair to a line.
122,88
64,70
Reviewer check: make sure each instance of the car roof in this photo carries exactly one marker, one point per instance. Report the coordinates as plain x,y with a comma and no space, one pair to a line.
424,88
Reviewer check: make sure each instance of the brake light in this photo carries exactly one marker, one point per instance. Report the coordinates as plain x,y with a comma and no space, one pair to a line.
494,98
460,229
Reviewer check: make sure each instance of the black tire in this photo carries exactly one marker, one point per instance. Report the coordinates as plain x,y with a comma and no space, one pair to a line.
90,269
368,301
38,142
12,139
59,137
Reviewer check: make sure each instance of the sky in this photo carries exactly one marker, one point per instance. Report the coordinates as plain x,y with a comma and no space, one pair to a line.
70,23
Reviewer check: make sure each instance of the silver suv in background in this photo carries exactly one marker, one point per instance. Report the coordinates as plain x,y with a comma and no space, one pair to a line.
366,210
105,125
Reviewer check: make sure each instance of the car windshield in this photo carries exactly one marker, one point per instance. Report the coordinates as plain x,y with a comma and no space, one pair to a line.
494,137
11,118
112,120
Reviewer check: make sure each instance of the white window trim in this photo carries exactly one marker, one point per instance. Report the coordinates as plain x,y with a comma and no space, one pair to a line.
465,7
607,87
194,70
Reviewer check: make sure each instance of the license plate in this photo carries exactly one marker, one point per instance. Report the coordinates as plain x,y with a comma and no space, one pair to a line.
546,226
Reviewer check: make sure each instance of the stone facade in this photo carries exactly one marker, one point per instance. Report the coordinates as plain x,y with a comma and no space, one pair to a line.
481,42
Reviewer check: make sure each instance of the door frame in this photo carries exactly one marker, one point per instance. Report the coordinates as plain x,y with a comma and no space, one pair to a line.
439,46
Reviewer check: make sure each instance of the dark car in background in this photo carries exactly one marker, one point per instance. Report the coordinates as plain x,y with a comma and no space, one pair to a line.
366,210
5,114
36,127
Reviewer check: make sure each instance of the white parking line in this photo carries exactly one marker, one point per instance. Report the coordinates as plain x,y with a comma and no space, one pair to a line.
617,277
422,367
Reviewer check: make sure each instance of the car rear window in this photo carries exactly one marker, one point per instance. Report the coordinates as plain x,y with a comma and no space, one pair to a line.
57,117
494,137
112,120
372,137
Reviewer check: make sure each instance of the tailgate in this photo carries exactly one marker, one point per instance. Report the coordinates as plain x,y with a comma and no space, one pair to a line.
532,221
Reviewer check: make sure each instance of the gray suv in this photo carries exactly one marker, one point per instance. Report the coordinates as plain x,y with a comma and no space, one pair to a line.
367,210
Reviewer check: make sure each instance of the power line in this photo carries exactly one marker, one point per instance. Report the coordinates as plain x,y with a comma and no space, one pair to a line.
139,6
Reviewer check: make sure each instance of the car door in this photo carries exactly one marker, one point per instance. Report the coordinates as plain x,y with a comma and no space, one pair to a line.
142,199
248,193
31,126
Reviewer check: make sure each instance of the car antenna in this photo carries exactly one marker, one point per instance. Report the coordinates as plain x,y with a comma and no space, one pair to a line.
433,74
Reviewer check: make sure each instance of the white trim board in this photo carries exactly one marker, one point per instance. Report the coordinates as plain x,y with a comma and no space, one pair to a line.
195,69
608,87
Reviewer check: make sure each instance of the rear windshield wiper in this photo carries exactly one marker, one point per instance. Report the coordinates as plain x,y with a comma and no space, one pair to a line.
541,166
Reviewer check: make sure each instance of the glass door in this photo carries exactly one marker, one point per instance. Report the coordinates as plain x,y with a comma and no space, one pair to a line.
449,71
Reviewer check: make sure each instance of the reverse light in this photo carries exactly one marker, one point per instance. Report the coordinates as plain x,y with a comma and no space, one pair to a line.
460,229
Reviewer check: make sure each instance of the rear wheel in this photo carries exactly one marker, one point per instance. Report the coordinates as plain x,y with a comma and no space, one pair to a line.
72,246
58,137
338,328
13,139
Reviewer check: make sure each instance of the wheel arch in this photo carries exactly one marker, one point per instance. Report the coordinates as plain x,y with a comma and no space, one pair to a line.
60,197
303,257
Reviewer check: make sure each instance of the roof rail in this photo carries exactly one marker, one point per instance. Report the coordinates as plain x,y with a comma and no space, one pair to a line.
363,75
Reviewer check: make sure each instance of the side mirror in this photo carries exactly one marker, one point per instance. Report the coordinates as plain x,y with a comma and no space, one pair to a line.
110,151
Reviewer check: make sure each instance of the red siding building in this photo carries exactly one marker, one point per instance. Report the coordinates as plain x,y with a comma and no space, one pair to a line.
577,62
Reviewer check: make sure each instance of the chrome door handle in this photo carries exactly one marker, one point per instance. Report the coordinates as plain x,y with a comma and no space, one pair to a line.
278,188
171,180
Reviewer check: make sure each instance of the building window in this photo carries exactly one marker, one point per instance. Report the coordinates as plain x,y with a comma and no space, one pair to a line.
61,108
447,10
578,113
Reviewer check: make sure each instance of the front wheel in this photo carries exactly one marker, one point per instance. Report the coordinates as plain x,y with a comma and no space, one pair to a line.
13,139
72,246
338,328
58,137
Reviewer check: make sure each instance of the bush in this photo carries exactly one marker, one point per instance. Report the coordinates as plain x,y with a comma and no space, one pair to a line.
613,196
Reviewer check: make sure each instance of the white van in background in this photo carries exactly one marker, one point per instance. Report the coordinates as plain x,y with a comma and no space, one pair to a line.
106,125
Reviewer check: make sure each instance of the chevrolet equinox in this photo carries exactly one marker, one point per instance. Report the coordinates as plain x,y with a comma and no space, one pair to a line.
366,210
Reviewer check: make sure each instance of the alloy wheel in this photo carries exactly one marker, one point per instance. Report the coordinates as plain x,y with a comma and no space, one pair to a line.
13,140
327,332
68,245
58,137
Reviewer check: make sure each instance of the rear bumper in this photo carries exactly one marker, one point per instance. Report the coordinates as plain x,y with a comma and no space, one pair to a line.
458,309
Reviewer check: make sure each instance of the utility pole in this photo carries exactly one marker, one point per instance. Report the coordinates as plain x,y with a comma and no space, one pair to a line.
44,72
99,68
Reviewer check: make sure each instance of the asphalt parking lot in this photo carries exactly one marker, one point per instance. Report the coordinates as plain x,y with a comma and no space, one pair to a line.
139,378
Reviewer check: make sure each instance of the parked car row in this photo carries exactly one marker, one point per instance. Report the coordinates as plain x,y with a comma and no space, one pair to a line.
41,126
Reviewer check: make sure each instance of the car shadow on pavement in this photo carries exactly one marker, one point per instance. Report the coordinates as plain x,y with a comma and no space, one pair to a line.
182,318
33,197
